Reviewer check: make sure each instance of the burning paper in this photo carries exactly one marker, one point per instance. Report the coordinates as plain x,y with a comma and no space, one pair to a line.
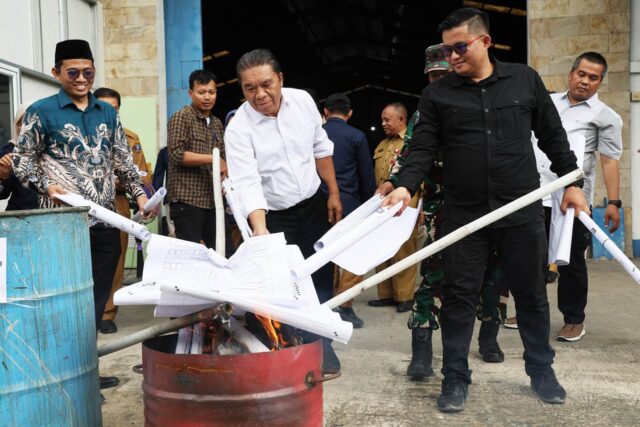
180,277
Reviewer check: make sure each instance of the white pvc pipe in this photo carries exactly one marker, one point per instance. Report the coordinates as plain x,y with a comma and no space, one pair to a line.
611,246
454,236
217,201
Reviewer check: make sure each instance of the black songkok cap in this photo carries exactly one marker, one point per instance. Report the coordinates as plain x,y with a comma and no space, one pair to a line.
338,101
73,49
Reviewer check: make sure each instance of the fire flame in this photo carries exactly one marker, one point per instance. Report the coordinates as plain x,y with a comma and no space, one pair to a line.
272,328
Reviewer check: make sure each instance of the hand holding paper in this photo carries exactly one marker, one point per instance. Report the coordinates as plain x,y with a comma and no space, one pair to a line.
154,201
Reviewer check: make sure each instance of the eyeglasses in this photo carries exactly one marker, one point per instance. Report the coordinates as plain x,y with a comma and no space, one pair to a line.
87,73
460,48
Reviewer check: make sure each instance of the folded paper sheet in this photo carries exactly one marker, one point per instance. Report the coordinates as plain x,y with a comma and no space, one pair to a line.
107,216
363,240
183,277
561,225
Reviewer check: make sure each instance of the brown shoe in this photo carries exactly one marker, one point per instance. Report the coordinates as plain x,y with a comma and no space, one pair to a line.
571,332
511,322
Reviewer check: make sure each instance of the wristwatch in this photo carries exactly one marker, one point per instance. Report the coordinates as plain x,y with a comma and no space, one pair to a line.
616,203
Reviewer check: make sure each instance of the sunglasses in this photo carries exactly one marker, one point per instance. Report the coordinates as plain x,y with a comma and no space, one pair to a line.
87,73
460,48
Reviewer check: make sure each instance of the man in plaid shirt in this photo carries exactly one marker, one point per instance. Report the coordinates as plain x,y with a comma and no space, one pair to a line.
193,132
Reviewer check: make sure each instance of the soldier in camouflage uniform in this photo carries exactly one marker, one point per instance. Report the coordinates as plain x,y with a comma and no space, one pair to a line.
423,320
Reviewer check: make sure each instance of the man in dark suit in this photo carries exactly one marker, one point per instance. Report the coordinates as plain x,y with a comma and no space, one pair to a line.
354,173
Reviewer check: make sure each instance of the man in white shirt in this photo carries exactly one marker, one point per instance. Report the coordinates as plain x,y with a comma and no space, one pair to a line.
277,154
600,128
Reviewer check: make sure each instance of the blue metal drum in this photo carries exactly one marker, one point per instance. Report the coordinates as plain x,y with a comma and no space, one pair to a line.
48,361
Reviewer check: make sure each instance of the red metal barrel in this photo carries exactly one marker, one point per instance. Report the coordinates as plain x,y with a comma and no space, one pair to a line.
277,388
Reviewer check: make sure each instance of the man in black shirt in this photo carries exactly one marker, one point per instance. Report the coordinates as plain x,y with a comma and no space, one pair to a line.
481,117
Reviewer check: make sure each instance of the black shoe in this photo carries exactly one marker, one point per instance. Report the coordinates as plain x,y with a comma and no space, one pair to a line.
330,361
453,394
488,342
385,302
108,382
551,276
547,387
102,399
421,354
404,306
348,315
108,327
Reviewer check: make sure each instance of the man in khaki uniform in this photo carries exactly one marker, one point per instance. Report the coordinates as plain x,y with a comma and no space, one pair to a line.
399,289
110,96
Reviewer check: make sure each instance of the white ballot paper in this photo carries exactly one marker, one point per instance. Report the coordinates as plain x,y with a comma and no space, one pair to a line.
319,319
157,198
610,245
379,245
369,238
107,216
183,277
234,205
561,225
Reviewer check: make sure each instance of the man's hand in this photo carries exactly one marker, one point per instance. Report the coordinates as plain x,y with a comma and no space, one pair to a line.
400,194
258,221
224,172
6,166
54,189
146,216
574,197
612,215
385,188
334,207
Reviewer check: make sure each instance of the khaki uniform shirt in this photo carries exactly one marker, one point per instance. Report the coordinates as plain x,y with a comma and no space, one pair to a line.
385,157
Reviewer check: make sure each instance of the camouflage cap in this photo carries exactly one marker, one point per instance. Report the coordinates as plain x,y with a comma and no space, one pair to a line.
435,59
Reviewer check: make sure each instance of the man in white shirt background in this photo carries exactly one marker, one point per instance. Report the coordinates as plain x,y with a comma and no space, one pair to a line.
277,154
581,111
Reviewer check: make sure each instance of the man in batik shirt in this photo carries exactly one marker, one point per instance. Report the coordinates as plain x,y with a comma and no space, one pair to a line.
71,142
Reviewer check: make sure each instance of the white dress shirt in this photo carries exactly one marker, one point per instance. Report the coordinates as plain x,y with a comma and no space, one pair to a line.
271,160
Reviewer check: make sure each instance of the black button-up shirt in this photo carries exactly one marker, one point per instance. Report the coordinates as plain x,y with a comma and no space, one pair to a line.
484,132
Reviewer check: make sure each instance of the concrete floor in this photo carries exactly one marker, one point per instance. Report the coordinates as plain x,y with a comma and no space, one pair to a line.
601,373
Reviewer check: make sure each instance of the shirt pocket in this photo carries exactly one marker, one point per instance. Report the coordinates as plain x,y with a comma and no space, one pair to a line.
513,119
462,119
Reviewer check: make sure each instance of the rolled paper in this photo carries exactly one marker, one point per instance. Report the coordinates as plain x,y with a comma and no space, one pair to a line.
154,201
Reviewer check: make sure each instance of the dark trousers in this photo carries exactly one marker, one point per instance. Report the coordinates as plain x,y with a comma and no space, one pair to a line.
523,255
302,225
105,253
194,224
573,282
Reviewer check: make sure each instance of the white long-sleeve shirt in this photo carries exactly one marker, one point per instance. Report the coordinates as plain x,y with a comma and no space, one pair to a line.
271,160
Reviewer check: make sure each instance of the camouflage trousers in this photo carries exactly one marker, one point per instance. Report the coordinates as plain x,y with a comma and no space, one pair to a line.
492,301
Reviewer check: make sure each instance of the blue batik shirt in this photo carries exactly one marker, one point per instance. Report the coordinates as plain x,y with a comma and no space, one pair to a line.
82,151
